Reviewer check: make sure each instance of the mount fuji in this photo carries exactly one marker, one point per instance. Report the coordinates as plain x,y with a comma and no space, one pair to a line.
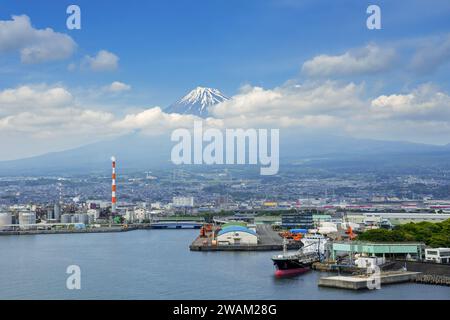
197,102
137,151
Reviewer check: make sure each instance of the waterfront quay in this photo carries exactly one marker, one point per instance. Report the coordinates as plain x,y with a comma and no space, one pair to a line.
69,228
66,231
359,282
268,240
72,230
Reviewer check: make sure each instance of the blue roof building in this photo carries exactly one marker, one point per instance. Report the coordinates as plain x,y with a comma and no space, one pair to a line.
236,229
237,235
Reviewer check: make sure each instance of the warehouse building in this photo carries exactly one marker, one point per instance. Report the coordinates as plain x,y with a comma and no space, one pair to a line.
237,235
396,218
439,255
302,220
407,250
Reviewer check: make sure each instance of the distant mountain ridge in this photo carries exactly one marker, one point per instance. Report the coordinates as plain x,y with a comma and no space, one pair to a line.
197,102
138,152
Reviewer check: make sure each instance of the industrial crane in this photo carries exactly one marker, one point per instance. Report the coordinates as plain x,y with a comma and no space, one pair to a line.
349,230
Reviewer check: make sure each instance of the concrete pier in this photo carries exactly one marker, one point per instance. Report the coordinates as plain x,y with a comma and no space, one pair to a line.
67,231
360,282
268,240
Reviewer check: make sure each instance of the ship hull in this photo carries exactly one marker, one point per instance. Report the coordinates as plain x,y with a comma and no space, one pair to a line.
289,267
290,272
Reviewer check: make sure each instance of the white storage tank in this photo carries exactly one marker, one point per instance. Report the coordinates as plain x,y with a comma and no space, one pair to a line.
57,211
50,214
80,218
5,219
65,218
27,218
84,218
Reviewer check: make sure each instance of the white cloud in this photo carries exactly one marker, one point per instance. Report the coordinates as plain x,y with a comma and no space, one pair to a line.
310,104
154,121
33,98
102,61
423,103
420,115
432,54
44,119
117,86
39,109
51,117
34,45
369,59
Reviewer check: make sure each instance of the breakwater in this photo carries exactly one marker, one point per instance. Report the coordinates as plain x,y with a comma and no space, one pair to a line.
433,279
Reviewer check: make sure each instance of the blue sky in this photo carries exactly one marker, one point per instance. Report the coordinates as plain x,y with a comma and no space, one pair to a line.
166,48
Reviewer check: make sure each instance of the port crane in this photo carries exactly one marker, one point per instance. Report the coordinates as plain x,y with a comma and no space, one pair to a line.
290,235
349,229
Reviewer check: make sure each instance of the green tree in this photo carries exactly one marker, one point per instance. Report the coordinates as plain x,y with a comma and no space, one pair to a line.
432,234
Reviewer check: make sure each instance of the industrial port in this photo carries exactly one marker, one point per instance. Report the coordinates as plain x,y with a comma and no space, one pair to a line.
267,239
287,229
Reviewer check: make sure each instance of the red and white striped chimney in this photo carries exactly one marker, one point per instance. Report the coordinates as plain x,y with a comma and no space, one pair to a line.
113,187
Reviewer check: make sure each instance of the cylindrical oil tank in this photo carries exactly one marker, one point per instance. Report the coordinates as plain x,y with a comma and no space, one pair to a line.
26,218
66,218
57,211
49,214
5,219
84,218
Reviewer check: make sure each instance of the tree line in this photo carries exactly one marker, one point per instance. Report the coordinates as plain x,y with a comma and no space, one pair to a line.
432,234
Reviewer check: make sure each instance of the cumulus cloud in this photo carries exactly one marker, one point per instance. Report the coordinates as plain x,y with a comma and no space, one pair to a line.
310,104
154,121
49,118
369,59
419,115
42,108
117,86
33,114
39,109
424,103
102,61
29,98
34,45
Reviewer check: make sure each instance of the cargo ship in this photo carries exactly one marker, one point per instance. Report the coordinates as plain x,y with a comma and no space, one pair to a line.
300,261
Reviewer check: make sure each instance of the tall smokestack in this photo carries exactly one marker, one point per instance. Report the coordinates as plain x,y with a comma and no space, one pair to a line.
113,187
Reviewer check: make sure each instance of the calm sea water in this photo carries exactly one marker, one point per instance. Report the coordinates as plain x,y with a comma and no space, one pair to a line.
157,264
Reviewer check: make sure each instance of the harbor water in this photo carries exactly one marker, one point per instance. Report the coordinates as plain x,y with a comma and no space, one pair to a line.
157,264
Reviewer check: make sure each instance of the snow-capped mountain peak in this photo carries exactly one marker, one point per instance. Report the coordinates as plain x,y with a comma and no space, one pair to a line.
205,96
197,102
